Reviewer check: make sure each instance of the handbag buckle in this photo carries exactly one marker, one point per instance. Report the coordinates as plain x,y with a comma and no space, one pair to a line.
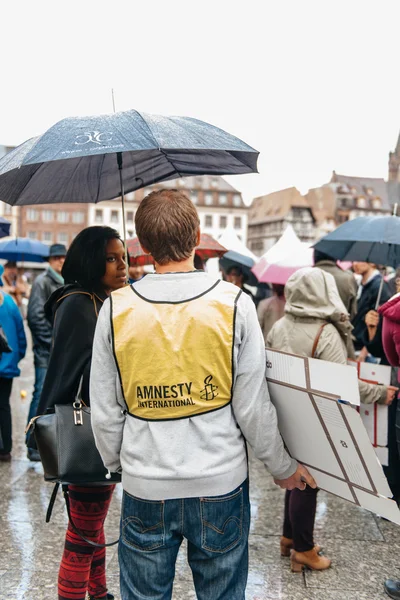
78,415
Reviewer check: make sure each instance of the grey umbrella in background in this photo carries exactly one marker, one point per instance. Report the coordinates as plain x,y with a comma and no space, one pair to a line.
89,159
368,239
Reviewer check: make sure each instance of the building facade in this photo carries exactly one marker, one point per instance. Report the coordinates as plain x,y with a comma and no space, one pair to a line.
220,206
52,223
270,215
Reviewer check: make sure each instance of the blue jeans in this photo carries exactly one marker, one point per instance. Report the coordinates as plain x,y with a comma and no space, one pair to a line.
40,374
216,529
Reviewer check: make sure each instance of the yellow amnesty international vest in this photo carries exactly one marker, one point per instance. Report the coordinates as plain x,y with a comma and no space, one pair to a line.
175,359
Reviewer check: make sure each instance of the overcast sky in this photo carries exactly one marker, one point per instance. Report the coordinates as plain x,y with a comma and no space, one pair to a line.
313,85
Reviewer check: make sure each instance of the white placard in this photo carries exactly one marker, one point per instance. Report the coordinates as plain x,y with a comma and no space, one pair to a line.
325,433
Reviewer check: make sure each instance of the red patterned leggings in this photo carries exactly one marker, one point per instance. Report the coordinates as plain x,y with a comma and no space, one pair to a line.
82,566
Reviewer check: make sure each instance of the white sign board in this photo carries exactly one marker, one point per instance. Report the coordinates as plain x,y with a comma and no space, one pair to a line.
324,432
375,416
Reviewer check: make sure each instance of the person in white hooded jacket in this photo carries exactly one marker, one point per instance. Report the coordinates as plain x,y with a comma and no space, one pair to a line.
315,324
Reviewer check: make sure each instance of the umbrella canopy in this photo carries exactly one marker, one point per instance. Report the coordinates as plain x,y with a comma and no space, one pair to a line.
234,259
368,239
80,159
208,248
23,249
4,227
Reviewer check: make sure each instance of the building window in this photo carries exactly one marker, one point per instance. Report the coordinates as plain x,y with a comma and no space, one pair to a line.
62,216
208,221
47,237
194,196
47,216
32,235
78,217
114,216
130,196
129,217
237,201
214,183
237,223
98,215
62,237
361,203
32,215
223,221
376,203
208,198
223,199
7,209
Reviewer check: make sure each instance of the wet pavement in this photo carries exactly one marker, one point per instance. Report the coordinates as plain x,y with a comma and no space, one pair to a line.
364,548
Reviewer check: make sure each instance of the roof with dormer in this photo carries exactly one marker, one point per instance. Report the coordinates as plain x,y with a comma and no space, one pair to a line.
369,187
275,206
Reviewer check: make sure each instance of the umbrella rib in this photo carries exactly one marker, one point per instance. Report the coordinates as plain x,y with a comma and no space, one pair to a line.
99,184
170,162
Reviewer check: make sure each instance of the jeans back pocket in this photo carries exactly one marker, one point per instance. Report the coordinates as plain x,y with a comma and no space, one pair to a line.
222,521
142,523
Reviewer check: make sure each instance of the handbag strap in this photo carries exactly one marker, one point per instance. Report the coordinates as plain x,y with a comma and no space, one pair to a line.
315,345
76,530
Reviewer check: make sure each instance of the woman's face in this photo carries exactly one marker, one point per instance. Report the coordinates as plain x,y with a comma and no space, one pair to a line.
115,275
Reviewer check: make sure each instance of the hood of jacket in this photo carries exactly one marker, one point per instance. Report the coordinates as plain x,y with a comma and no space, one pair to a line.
391,309
312,293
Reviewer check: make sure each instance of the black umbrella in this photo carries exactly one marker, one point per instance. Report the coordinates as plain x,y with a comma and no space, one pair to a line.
235,259
89,159
368,239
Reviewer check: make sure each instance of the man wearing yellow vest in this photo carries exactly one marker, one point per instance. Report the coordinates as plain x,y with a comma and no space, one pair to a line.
177,388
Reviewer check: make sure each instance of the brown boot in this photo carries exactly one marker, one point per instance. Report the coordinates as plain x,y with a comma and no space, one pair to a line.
310,559
287,546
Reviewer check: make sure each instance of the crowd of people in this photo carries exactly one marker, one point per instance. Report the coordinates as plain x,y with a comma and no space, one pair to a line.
173,368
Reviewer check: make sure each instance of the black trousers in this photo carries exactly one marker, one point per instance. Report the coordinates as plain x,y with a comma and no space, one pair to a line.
5,415
298,525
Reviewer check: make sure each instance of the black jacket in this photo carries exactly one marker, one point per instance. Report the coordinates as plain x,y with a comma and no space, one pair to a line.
73,311
367,302
41,329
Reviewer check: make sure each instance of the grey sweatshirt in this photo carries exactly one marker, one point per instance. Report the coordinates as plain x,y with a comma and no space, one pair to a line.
203,455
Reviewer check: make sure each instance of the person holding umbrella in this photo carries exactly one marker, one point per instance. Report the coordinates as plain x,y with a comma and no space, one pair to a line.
373,290
238,277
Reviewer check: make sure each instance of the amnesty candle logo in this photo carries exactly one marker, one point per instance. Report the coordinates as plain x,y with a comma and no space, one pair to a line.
210,391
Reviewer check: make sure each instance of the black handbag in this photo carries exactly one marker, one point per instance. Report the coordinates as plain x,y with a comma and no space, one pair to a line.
65,441
66,445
